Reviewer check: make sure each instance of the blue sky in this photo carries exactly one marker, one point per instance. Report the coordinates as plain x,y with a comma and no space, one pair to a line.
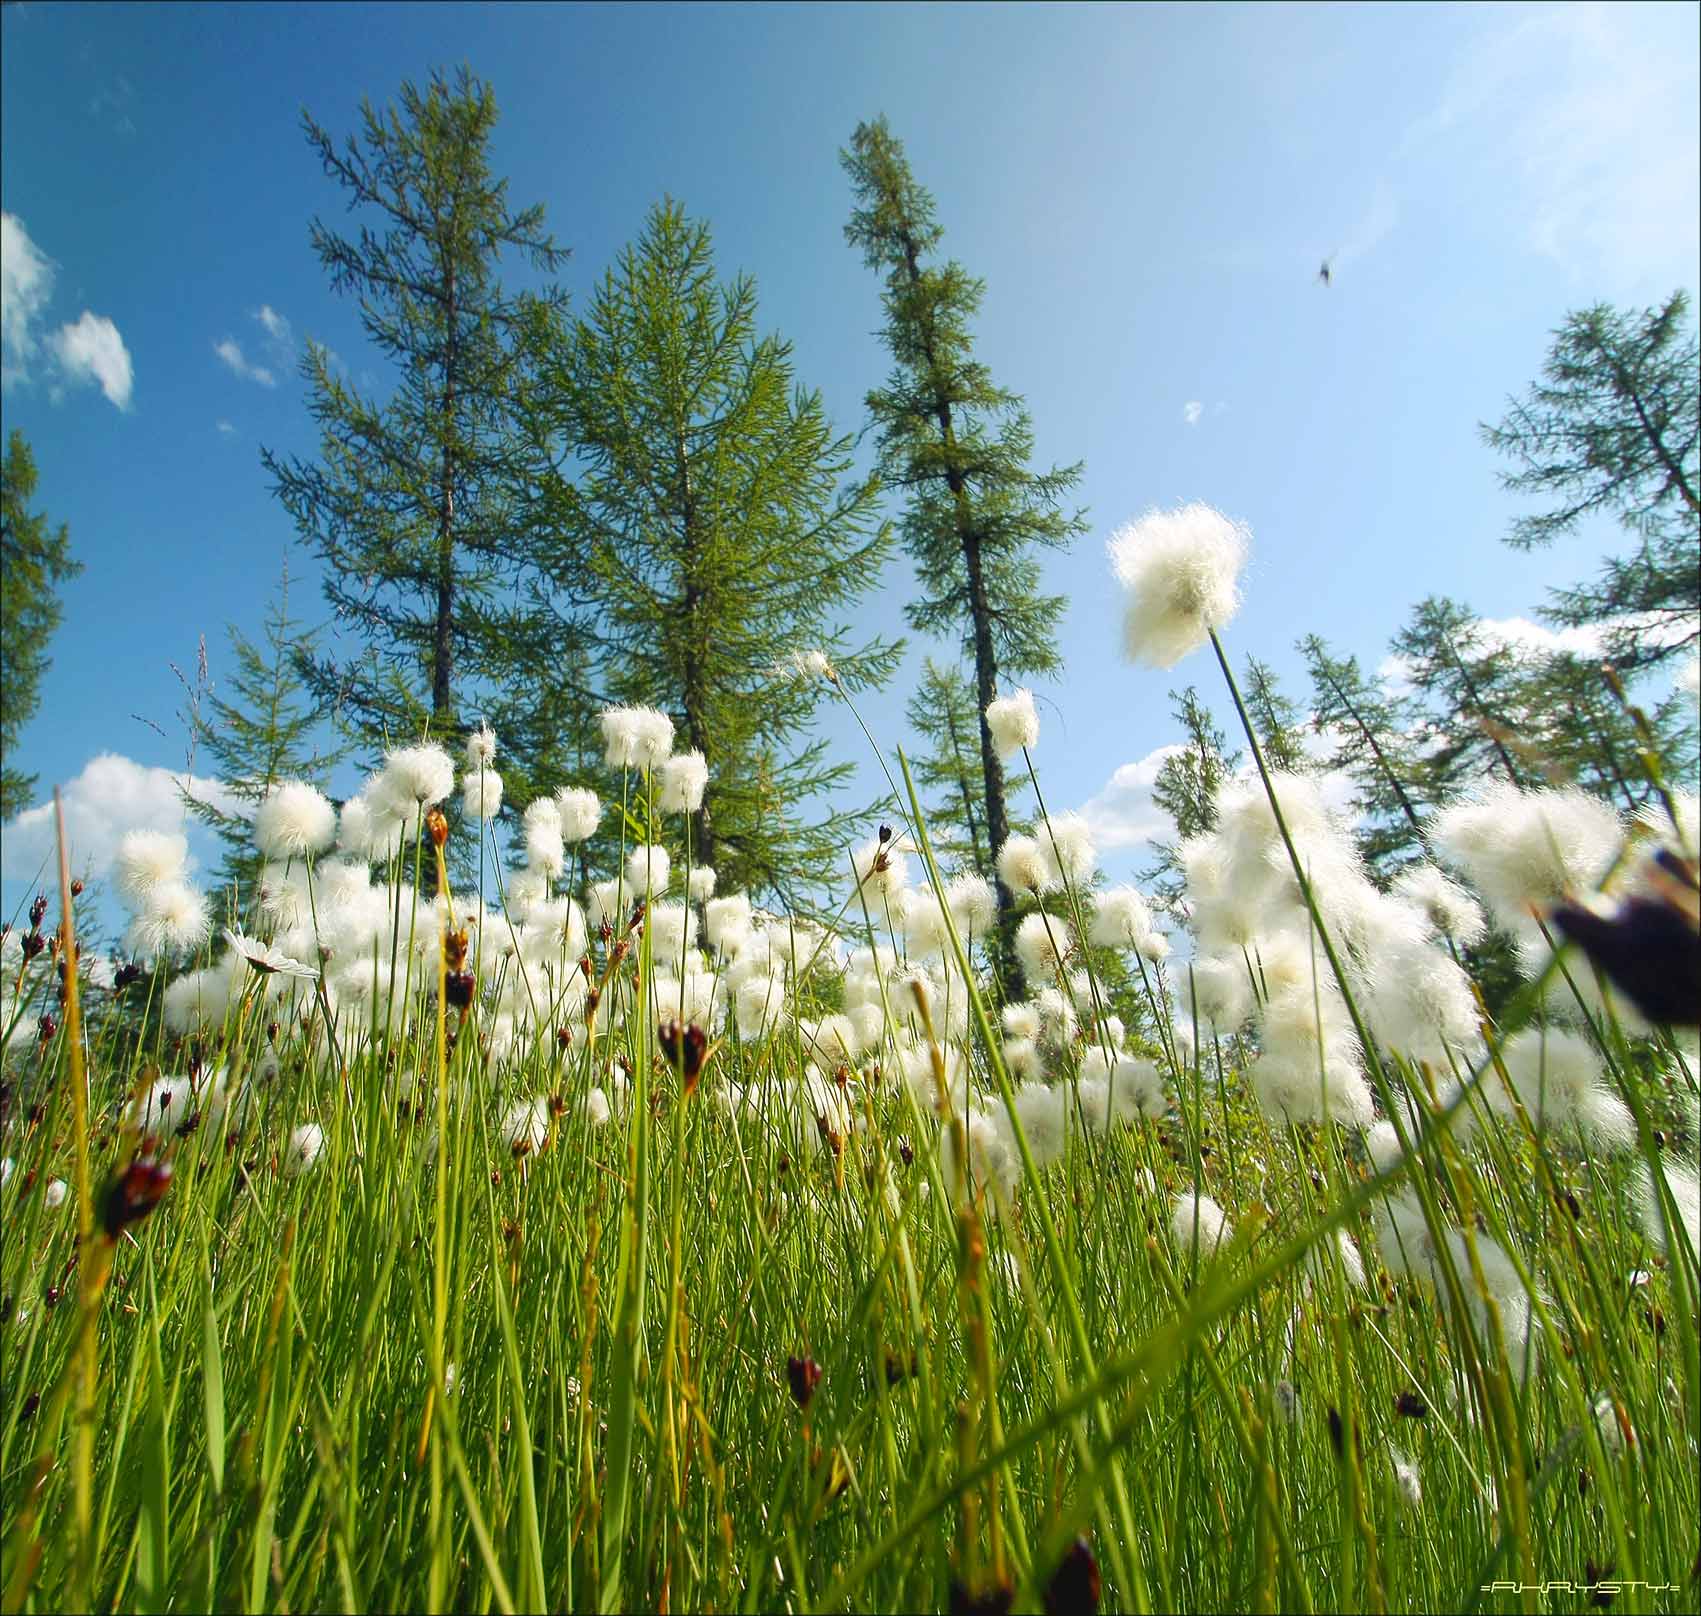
1148,192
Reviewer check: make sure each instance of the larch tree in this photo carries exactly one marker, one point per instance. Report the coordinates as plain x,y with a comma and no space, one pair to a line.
947,769
1186,787
35,560
958,448
1613,428
716,525
264,732
422,508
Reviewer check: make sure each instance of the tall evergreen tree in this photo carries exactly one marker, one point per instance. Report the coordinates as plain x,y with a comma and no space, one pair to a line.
947,768
420,508
1369,729
715,523
1187,784
263,733
34,561
1614,428
959,447
1276,719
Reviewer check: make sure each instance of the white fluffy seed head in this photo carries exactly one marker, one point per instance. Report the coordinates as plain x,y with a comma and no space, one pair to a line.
1013,722
1067,841
726,921
1181,569
579,812
973,903
683,780
1024,867
481,793
1122,919
293,821
636,737
148,859
648,870
880,868
700,884
1445,905
1042,945
174,918
306,1146
1199,1218
422,775
481,748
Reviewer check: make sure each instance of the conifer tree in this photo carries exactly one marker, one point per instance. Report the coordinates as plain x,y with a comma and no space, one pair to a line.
1369,730
1276,718
263,733
718,531
34,562
420,507
948,773
1187,784
959,447
1614,427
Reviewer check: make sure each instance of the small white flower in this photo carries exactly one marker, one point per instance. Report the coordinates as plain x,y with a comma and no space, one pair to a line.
1013,722
293,821
265,959
1182,572
683,781
56,1191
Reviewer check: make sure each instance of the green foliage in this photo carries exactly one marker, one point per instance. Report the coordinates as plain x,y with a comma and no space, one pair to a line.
958,446
1369,728
943,713
1614,428
260,735
419,507
713,522
1187,784
34,562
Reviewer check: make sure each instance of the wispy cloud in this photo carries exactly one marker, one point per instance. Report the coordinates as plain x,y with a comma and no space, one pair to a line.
1122,813
226,430
93,351
277,327
1582,120
1374,226
1191,411
112,795
114,101
26,284
230,351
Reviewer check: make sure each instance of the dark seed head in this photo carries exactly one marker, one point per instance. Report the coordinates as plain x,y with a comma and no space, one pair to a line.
31,1404
803,1375
38,911
1335,1430
1074,1586
885,834
132,1193
458,989
437,827
1411,1406
906,1150
993,1601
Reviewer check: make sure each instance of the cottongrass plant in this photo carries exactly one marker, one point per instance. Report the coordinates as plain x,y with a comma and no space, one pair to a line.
635,1247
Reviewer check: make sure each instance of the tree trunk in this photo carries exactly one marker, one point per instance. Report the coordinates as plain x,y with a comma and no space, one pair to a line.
443,646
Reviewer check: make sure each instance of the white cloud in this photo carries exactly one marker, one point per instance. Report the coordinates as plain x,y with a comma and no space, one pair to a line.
112,795
93,351
1191,411
1522,637
230,351
1121,812
1582,119
277,327
26,283
226,429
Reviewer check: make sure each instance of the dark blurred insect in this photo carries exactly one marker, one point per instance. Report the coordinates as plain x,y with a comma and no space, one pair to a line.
1649,947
